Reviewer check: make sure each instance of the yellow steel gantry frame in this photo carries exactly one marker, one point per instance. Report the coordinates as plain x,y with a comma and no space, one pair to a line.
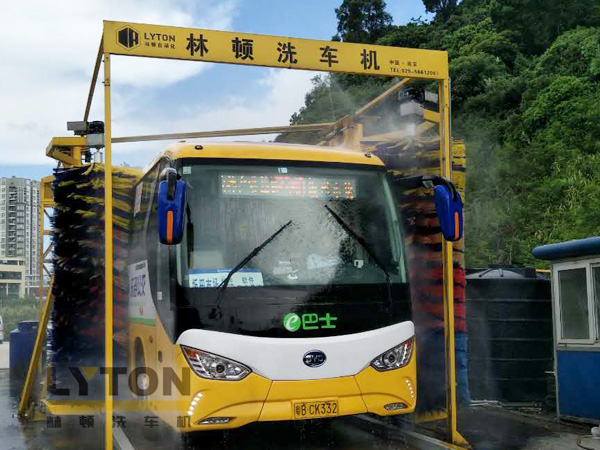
68,152
46,203
156,41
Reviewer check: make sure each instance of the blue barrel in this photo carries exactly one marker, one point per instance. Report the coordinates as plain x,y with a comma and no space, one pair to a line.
22,341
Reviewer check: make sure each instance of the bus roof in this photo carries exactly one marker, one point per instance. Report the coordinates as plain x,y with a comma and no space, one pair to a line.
269,151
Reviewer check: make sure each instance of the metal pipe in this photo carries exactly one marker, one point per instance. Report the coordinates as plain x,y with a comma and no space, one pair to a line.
446,163
88,105
24,402
108,261
382,96
223,133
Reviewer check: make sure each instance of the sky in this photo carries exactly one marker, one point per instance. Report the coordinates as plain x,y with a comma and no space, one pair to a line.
47,54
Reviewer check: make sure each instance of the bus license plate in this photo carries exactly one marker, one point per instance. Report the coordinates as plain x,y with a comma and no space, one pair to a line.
315,410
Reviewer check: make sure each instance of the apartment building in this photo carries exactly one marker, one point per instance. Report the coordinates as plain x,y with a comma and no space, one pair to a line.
19,226
12,277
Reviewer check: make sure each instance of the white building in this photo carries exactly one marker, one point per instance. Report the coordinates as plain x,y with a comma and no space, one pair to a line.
19,226
12,277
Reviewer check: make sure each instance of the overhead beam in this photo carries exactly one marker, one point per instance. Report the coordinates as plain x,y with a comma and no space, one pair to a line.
431,116
61,149
396,135
225,133
402,83
88,105
194,44
347,123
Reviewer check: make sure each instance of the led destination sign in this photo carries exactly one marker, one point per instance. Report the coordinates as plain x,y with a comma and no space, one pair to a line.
288,186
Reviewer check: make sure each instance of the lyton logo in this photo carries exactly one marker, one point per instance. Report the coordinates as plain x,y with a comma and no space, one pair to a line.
128,37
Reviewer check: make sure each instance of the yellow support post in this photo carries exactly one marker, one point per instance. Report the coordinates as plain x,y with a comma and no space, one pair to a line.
454,436
108,261
35,357
448,273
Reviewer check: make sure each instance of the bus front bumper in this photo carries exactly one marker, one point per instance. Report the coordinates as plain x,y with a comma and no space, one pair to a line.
230,404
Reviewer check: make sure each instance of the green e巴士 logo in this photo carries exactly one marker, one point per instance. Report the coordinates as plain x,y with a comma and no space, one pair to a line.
292,322
311,321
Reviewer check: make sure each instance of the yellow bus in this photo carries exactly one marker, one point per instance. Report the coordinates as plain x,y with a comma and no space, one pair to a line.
275,275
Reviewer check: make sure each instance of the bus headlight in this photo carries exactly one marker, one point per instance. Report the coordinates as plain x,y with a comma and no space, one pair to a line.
394,358
214,367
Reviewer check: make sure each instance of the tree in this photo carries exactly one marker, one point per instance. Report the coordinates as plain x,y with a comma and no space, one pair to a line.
537,23
472,74
442,8
362,21
526,100
576,52
415,34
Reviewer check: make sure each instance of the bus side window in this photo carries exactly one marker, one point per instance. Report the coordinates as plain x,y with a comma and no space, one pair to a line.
140,218
158,261
163,287
150,228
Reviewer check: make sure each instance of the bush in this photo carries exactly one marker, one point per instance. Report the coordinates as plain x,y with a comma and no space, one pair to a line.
14,311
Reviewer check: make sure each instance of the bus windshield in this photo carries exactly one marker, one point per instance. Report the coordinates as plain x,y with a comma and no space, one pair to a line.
337,226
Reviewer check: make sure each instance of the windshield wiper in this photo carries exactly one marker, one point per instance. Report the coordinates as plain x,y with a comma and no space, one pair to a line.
361,241
245,261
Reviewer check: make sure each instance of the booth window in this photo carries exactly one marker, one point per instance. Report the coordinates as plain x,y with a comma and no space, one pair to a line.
574,310
596,277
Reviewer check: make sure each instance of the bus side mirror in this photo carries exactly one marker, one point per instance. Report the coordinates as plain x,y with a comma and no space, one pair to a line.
171,207
449,208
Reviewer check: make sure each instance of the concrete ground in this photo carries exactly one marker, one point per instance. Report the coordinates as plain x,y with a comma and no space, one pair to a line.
342,433
491,427
4,352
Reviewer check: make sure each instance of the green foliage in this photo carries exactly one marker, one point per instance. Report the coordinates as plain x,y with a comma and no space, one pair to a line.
472,73
413,35
552,155
362,21
498,45
14,311
526,99
576,52
537,23
442,8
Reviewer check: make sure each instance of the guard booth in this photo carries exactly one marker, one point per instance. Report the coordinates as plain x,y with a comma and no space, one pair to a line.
576,314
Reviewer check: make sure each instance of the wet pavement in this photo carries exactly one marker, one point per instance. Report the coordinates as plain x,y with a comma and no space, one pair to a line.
495,428
70,432
492,427
486,428
342,433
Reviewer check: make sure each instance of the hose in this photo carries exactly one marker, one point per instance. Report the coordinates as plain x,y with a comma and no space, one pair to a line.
580,438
